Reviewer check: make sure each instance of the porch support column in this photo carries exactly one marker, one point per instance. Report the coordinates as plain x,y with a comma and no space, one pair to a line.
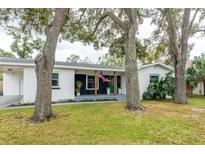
96,77
115,84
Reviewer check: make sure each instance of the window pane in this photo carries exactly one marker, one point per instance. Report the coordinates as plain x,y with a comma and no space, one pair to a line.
54,82
91,85
91,82
55,79
54,75
154,78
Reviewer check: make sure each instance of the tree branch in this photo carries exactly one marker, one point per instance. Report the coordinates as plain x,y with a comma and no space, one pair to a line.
192,21
199,30
81,16
113,17
129,14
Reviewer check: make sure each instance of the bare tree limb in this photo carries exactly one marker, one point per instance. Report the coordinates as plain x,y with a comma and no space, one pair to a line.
192,20
185,34
199,30
162,11
81,16
131,15
172,30
113,17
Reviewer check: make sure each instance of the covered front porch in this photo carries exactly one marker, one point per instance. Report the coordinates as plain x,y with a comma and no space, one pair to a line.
98,84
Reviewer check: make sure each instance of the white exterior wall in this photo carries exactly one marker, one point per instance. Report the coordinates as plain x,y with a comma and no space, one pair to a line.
123,84
66,85
29,85
12,83
144,76
199,90
25,83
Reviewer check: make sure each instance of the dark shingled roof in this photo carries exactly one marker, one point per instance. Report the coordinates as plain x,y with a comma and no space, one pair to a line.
60,63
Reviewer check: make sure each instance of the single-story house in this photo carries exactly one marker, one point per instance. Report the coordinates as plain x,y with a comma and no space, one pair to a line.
200,88
19,78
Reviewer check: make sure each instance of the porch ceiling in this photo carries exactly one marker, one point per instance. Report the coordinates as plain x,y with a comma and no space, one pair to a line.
92,72
10,69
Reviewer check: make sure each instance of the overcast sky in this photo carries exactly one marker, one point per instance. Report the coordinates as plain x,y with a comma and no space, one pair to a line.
64,48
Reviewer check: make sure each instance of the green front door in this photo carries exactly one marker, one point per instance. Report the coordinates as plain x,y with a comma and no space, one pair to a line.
111,84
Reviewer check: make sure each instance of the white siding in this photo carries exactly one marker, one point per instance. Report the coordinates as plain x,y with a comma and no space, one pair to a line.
199,90
25,83
144,76
123,84
29,85
12,83
66,85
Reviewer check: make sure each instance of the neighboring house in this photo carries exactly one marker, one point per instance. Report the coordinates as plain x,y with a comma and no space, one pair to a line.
200,88
19,78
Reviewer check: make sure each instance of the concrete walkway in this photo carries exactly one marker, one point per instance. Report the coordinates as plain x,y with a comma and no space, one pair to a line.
94,102
6,101
118,97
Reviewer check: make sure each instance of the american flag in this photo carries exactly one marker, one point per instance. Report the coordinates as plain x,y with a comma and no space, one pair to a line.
101,76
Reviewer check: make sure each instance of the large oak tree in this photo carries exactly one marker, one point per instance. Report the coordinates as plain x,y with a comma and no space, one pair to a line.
177,26
126,21
44,67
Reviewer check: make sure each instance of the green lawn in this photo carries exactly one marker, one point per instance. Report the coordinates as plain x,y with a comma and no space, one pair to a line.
108,123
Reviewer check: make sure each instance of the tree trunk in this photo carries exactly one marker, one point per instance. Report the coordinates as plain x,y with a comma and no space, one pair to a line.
44,67
178,51
180,84
131,70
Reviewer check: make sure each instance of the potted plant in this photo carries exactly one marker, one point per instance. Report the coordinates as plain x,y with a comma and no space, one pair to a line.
119,91
78,87
108,90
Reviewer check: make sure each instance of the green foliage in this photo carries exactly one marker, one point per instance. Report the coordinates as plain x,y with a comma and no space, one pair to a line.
6,54
24,45
76,59
196,72
191,77
117,49
27,27
112,60
82,23
160,89
199,66
160,40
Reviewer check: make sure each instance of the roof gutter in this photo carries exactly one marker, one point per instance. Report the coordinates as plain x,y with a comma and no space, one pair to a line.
60,66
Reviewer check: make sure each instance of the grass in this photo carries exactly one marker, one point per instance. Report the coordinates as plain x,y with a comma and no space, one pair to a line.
108,123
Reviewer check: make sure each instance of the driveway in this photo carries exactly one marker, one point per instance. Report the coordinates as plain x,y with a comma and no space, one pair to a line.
6,101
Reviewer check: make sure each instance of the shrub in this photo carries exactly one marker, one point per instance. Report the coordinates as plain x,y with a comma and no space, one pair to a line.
160,89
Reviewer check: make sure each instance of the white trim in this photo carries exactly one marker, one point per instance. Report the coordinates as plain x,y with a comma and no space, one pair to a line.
149,65
154,75
58,79
63,66
87,83
84,68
